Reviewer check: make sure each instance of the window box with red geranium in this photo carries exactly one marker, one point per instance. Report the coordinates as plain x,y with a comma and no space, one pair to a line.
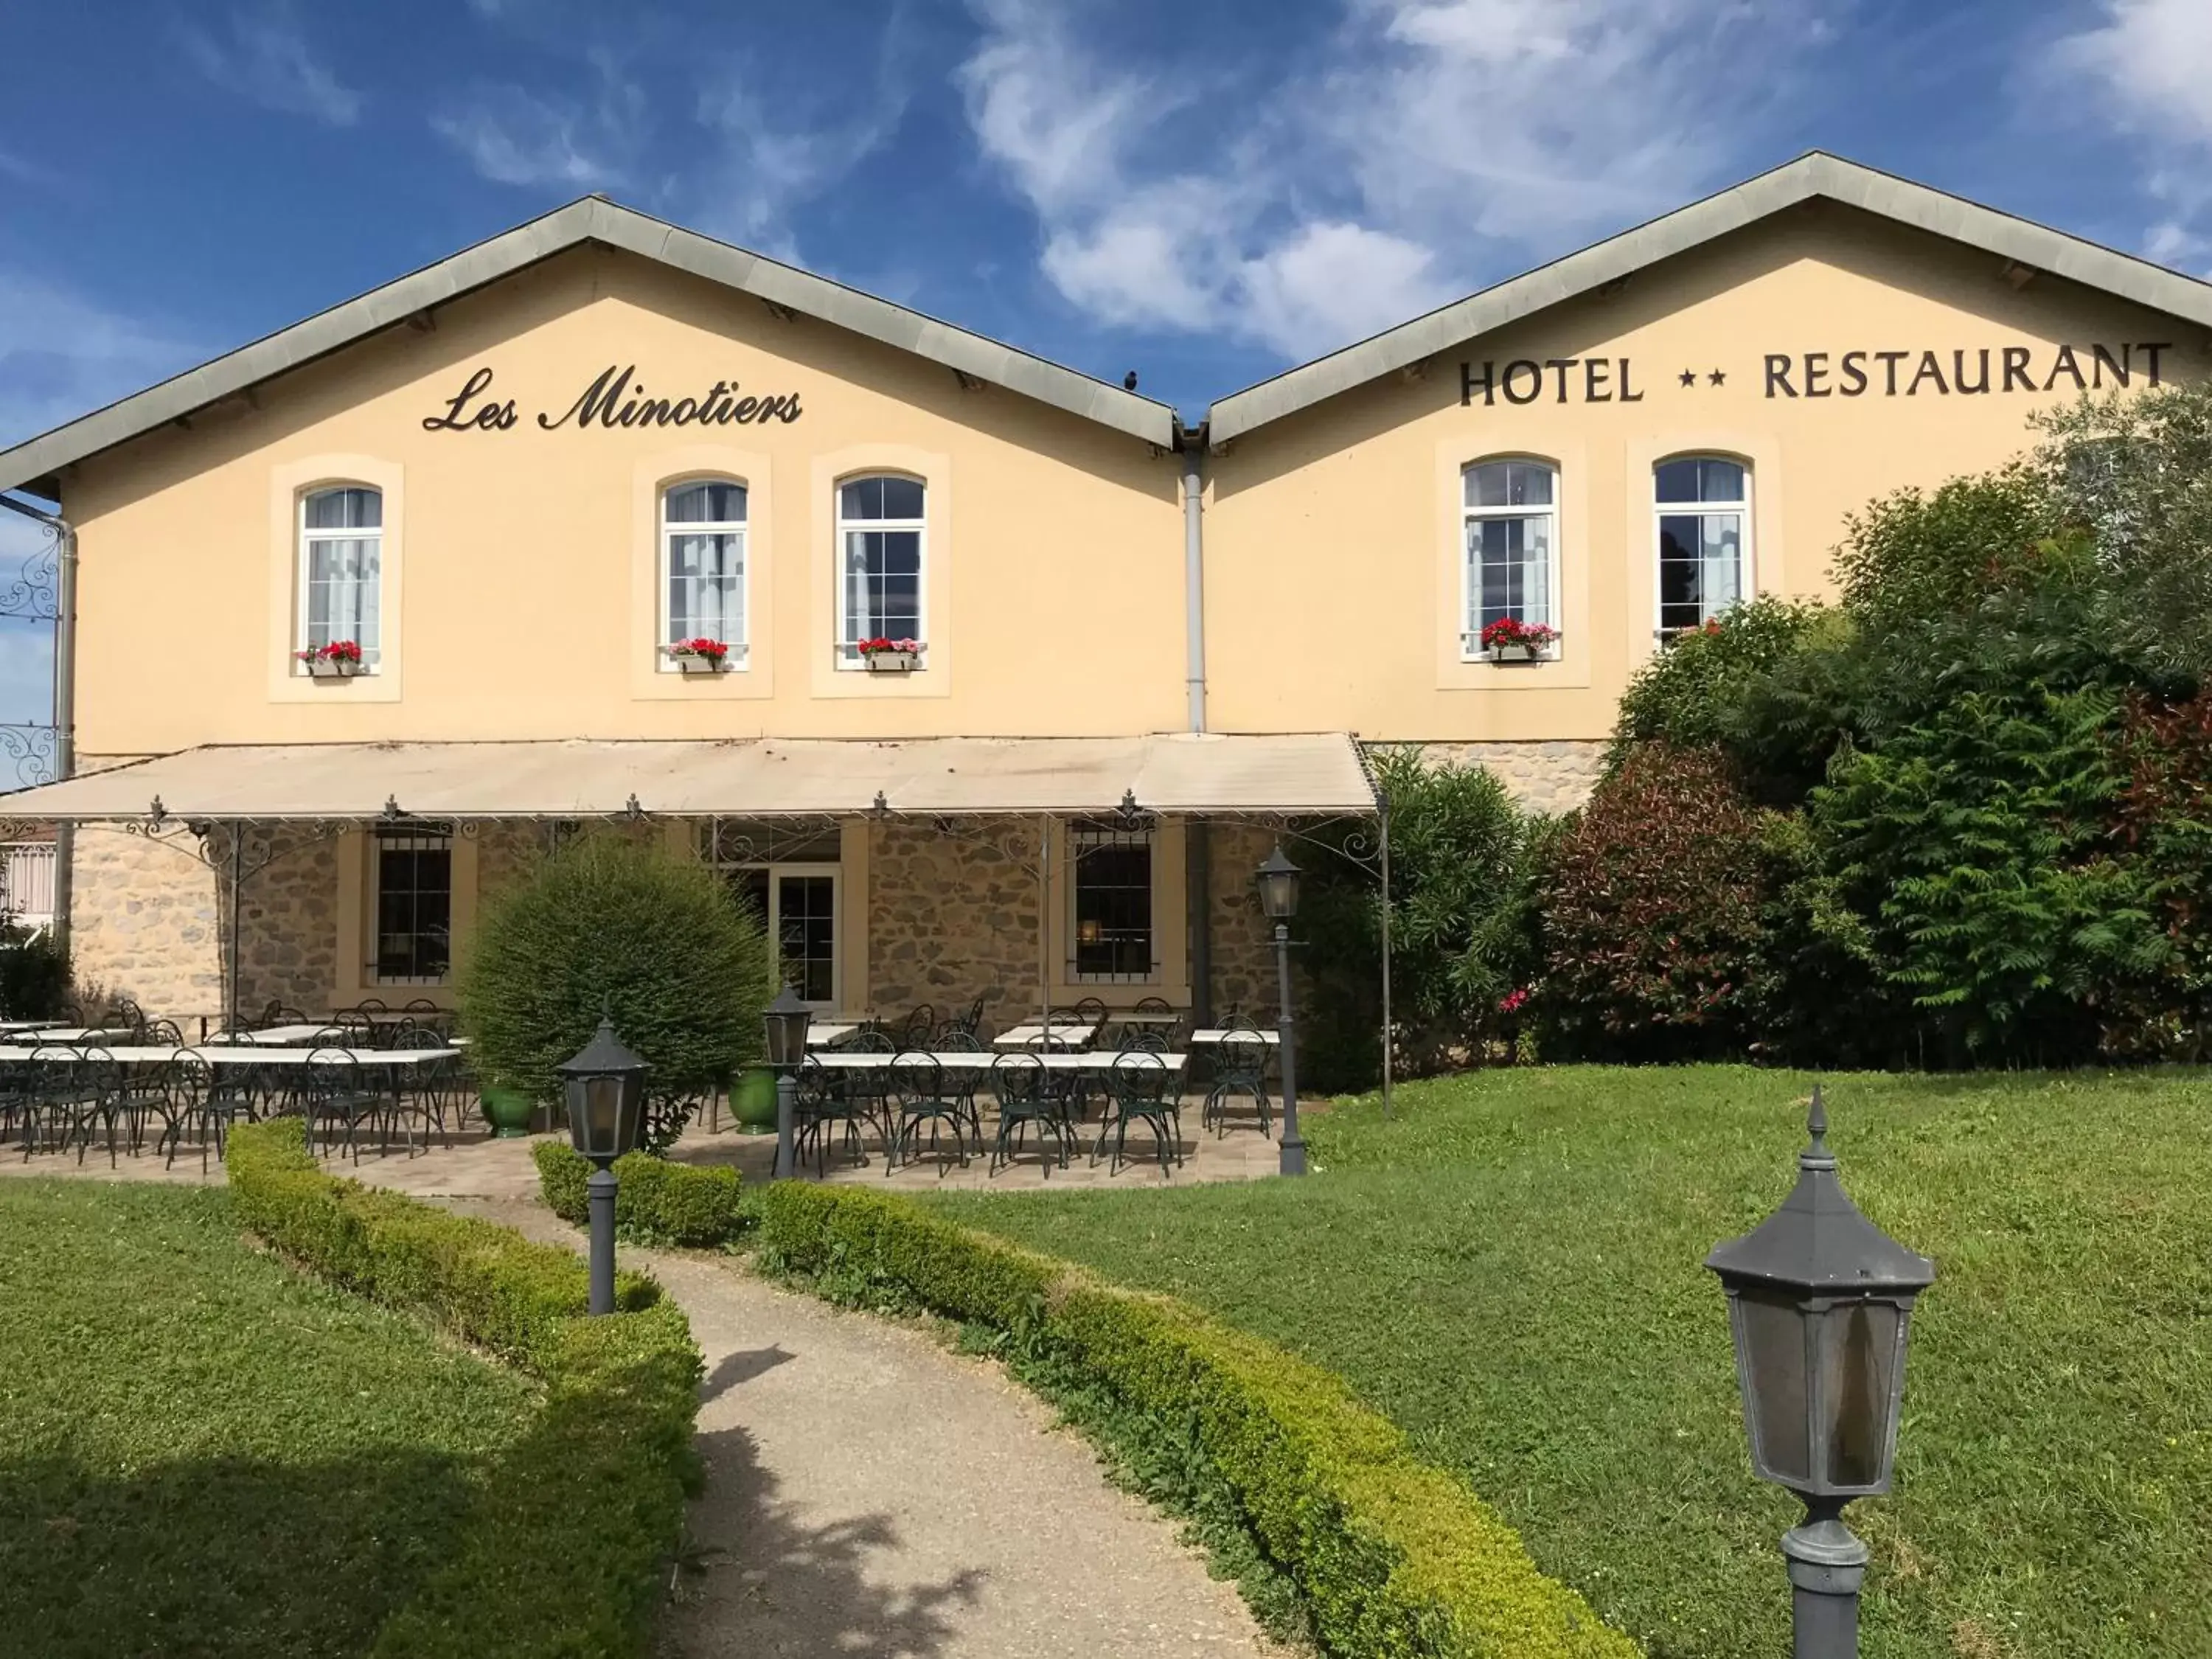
1510,639
887,656
704,655
340,660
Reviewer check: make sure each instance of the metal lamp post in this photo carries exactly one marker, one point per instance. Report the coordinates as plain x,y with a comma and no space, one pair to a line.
1819,1301
786,1019
1278,897
605,1088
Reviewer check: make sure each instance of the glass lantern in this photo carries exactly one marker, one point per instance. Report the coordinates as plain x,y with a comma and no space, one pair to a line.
604,1083
1278,886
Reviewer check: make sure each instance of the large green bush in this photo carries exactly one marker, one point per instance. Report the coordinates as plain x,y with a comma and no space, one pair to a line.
606,924
1699,692
1390,1556
566,1552
1461,918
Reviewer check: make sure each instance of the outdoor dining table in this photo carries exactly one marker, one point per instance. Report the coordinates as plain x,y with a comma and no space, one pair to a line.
1222,1033
826,1034
161,1054
66,1034
10,1027
285,1037
1093,1059
1028,1036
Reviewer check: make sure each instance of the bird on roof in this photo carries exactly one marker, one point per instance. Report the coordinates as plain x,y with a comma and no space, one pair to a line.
1129,381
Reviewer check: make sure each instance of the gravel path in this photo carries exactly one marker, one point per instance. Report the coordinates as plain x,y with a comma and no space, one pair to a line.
870,1494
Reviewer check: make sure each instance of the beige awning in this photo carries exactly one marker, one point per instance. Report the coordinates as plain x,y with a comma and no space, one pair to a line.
1305,774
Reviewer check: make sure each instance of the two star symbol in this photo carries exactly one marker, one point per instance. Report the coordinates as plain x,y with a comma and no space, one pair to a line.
1714,377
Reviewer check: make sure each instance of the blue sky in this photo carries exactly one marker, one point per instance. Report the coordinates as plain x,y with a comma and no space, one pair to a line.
1204,190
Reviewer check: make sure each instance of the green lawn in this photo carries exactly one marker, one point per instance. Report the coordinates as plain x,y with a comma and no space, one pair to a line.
1510,1270
202,1452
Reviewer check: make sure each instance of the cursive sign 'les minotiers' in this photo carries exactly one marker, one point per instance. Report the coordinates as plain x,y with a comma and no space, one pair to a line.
615,398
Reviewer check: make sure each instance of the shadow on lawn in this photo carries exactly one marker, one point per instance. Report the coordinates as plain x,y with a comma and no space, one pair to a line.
229,1556
771,1584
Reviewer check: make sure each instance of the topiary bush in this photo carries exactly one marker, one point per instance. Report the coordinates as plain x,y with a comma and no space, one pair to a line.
655,941
658,1201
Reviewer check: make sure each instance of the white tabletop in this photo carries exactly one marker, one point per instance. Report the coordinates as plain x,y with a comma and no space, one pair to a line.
965,1061
66,1034
1025,1037
392,1015
279,1036
130,1053
821,1033
13,1025
1142,1015
1222,1033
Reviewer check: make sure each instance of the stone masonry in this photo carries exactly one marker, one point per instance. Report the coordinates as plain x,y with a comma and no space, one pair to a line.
1548,777
1243,970
144,924
950,921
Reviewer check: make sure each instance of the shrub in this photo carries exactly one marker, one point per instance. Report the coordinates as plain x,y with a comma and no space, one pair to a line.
1978,848
2165,834
604,926
564,1549
1390,1556
1696,692
35,972
658,1201
1461,920
1656,913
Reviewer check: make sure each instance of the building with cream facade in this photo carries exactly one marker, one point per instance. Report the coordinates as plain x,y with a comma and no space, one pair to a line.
512,482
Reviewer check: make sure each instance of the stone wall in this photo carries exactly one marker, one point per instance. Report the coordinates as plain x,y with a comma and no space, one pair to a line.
287,922
950,921
1244,967
144,924
1550,777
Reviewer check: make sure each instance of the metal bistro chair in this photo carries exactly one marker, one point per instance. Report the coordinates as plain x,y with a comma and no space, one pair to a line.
426,1090
868,1088
1023,1087
918,1097
331,1090
825,1104
95,1097
50,1107
964,1084
916,1030
1240,1068
210,1100
1140,1088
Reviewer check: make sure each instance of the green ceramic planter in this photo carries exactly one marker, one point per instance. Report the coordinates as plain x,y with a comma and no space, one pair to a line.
507,1110
753,1101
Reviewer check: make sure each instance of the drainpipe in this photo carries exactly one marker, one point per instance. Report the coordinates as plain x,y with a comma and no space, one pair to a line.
1197,841
65,716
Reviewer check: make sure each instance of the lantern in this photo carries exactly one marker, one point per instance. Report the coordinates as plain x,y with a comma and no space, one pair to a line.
1278,886
786,1019
1819,1301
606,1089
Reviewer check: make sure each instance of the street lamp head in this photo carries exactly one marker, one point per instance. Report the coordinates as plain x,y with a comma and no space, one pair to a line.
1278,886
1819,1299
786,1019
605,1087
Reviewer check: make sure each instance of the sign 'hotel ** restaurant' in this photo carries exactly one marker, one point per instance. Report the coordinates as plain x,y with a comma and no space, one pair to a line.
983,678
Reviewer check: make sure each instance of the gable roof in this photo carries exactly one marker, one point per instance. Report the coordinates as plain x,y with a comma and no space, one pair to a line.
1816,173
591,219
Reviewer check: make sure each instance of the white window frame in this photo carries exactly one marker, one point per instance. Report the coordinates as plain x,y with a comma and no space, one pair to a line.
776,873
848,650
1470,594
1745,574
1076,837
741,528
302,564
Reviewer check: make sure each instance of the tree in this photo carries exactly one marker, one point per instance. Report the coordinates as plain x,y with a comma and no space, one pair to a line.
607,926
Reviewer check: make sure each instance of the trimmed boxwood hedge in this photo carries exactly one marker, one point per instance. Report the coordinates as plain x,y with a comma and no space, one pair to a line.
1393,1559
566,1550
658,1201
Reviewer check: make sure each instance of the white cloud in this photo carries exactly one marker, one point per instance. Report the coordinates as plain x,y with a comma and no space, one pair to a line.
2150,62
774,158
263,54
512,136
63,356
1377,179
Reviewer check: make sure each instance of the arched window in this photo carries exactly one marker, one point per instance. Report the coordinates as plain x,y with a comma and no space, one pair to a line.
702,563
1703,504
882,539
1512,565
341,562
